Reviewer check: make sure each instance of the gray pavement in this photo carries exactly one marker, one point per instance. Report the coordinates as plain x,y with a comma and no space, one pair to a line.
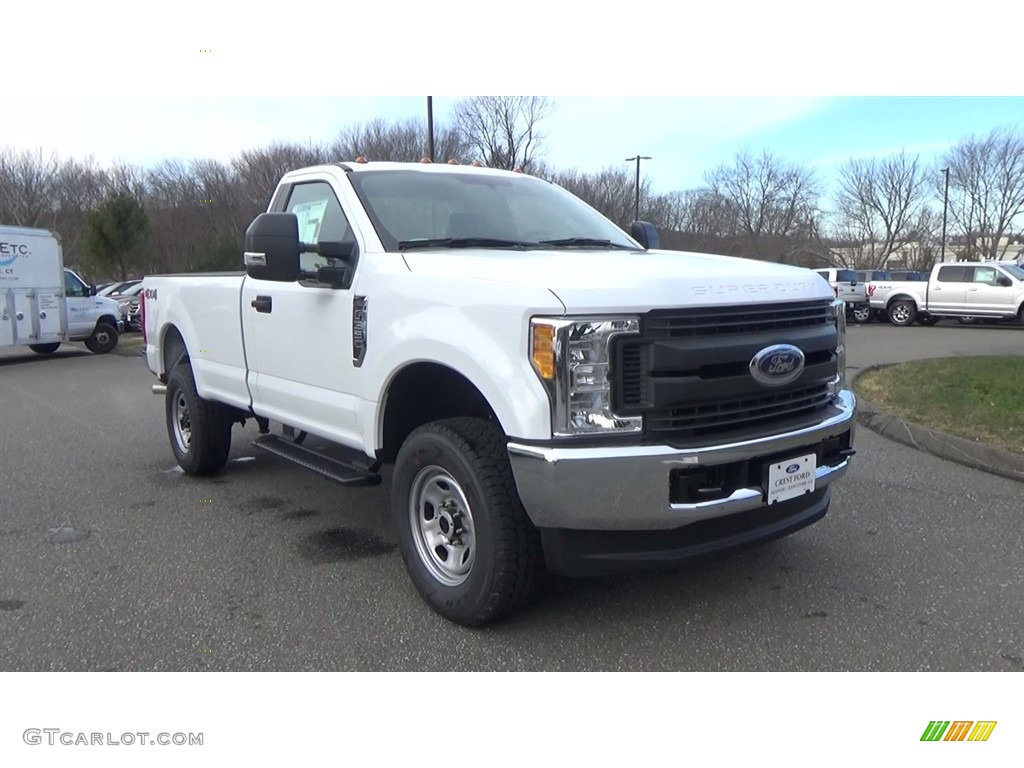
110,559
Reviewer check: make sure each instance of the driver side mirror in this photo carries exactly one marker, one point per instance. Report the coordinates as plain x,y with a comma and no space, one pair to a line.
91,290
1003,281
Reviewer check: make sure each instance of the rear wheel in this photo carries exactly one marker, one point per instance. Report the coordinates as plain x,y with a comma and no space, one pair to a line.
200,430
902,313
44,349
468,544
103,339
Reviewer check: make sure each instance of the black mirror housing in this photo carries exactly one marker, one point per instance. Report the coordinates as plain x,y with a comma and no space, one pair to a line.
646,234
272,247
1004,281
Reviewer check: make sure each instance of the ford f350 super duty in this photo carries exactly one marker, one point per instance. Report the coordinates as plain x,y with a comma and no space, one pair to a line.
554,394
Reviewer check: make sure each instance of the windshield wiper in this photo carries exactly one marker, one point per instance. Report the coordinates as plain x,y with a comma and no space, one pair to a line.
587,241
463,242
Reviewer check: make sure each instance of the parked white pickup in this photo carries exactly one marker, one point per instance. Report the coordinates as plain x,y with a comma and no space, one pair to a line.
552,391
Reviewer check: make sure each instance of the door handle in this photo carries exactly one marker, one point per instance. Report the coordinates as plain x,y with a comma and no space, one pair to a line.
263,304
972,289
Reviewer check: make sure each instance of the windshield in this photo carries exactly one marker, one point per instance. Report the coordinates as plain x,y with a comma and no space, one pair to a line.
1014,270
522,211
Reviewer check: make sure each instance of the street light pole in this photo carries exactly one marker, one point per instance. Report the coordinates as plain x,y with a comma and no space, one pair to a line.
430,128
945,203
638,158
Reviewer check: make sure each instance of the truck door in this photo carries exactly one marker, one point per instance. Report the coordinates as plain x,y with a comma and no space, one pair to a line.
947,289
986,296
82,314
298,336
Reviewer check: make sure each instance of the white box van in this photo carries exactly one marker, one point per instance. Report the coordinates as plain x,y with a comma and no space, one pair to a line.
42,304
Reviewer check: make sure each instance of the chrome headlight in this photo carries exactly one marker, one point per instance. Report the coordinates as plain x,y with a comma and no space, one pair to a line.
573,360
837,311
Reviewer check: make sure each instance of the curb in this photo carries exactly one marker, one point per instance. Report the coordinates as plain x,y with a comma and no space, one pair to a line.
996,461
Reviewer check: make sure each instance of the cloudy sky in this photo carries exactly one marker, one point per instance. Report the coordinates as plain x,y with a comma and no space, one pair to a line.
214,82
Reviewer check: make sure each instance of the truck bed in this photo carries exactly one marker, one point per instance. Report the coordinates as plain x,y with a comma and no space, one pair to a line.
207,301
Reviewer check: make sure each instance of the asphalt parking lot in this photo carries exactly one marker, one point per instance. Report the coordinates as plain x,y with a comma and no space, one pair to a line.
111,559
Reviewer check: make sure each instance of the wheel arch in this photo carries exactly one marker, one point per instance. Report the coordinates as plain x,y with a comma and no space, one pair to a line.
420,393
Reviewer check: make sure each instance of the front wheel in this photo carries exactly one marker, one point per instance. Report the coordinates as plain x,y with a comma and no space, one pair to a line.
44,349
468,544
200,430
103,339
902,313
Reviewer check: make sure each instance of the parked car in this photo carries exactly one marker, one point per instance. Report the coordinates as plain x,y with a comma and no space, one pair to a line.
846,285
112,288
128,301
903,275
864,313
986,290
548,400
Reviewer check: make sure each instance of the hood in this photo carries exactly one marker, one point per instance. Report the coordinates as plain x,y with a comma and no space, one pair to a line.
625,281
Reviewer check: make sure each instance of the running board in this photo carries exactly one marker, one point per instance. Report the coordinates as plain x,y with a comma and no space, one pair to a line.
339,471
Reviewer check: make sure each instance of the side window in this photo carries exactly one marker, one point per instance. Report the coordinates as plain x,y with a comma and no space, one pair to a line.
985,275
954,274
823,273
73,287
320,220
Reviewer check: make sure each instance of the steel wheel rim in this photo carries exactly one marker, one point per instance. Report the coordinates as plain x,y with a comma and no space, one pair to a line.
181,420
900,314
103,338
442,526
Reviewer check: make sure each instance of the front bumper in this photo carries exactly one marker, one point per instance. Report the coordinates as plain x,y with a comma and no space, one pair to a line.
628,488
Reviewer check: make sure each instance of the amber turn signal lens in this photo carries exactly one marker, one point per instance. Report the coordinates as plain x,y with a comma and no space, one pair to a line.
543,353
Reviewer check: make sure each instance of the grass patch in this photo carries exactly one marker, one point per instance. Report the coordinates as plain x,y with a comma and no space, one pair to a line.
980,398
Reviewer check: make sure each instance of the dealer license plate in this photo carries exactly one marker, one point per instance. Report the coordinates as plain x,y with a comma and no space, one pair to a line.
791,478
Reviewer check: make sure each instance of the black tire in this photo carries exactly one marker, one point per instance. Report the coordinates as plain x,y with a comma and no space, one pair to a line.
199,430
103,339
506,566
928,320
902,313
44,349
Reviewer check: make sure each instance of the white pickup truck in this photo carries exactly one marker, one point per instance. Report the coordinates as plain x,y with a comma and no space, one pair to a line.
554,395
992,290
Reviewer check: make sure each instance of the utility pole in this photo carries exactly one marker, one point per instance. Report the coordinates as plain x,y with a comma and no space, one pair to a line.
638,158
430,128
945,204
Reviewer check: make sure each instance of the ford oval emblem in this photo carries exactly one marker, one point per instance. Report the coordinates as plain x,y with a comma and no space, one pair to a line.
792,468
777,365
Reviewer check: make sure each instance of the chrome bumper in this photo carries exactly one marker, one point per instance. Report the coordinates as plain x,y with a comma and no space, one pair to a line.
627,488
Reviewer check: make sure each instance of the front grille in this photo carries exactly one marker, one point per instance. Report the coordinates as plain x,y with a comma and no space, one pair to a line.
632,380
717,321
687,372
751,412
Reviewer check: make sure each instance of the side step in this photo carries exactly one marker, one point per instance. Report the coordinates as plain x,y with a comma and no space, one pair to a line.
339,471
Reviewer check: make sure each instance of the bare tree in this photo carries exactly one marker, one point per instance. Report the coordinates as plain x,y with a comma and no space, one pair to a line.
395,142
986,190
612,191
772,201
503,131
878,202
28,181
